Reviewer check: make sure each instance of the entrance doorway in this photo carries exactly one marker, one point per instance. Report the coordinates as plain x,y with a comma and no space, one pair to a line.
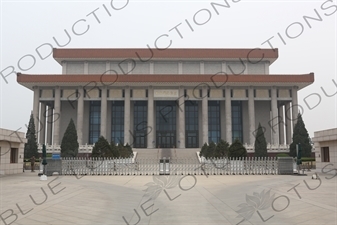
166,124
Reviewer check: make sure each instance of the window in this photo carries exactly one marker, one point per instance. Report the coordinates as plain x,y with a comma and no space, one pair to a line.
325,154
117,122
191,124
237,121
14,155
214,121
94,121
140,124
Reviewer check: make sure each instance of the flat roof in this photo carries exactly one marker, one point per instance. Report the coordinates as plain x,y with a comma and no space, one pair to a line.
325,135
190,80
80,54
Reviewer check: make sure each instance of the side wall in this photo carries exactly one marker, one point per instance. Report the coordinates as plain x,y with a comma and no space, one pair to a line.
9,141
332,153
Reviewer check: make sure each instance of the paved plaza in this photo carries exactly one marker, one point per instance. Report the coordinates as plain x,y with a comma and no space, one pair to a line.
261,199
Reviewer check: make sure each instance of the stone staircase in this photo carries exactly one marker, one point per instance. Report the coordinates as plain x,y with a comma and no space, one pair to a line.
172,153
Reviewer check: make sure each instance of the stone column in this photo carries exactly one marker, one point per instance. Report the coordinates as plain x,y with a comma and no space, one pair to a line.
202,67
180,68
107,67
86,67
281,124
251,115
104,108
36,104
127,104
204,111
181,122
80,111
151,67
64,67
294,105
288,123
150,119
42,129
228,115
274,119
57,113
50,125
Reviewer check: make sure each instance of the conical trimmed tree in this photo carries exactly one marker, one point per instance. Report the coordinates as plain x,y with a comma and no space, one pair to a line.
69,145
31,145
114,149
237,149
211,150
260,144
124,151
203,151
102,148
300,135
222,149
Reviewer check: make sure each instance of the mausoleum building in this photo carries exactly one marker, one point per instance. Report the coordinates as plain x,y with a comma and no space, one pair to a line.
169,98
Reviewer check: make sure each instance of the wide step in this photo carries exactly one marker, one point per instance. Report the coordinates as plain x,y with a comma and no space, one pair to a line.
172,153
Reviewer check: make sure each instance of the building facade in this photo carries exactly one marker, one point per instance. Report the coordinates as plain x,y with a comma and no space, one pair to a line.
12,144
169,98
325,143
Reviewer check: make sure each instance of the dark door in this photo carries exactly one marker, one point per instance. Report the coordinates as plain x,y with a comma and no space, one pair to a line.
166,124
192,140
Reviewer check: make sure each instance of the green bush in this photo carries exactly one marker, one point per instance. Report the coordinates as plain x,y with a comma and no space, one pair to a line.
213,150
28,160
69,144
222,149
307,159
237,150
203,151
260,145
124,151
31,145
282,155
300,135
102,148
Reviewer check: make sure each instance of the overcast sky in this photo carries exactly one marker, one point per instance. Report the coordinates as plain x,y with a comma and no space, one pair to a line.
308,45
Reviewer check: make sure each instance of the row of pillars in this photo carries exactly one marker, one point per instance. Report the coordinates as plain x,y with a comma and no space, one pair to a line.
280,123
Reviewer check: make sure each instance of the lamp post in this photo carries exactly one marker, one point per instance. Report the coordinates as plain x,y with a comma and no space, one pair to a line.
44,162
299,156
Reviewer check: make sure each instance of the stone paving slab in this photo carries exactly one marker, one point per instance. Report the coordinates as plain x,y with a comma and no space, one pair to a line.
185,200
